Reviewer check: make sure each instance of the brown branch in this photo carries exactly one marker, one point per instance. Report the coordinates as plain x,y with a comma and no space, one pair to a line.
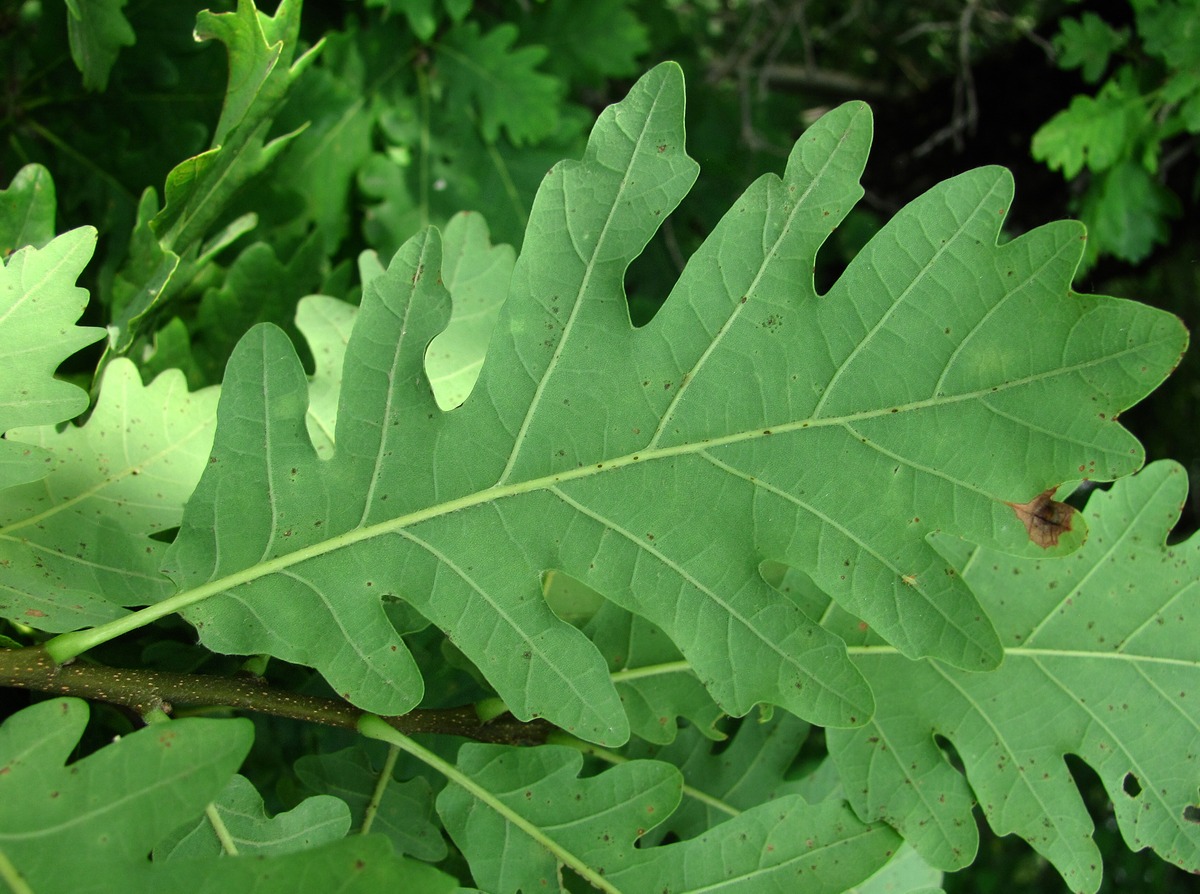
147,690
799,76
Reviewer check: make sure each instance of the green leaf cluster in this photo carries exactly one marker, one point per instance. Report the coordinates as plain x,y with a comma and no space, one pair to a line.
323,145
88,826
766,593
1123,135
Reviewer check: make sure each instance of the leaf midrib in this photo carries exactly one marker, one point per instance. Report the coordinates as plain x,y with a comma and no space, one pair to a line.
86,813
1031,653
69,645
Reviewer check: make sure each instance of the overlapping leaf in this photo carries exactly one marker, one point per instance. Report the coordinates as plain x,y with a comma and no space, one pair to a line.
645,666
1129,210
239,808
260,49
97,30
759,766
1087,43
501,83
109,808
750,770
905,873
75,544
27,210
1101,662
198,189
572,31
783,846
476,274
333,104
451,131
39,304
142,282
945,381
403,812
352,865
326,324
258,287
1091,133
88,827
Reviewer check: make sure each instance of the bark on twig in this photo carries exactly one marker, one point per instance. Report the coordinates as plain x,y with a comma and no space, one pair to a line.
147,690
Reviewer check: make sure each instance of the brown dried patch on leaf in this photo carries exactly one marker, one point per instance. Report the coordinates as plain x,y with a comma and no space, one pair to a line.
1045,519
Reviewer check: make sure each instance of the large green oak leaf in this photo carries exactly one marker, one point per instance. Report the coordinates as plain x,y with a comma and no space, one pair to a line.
1100,662
542,816
945,382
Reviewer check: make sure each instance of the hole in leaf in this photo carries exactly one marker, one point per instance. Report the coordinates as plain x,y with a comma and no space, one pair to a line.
166,535
1191,813
1131,786
949,753
572,881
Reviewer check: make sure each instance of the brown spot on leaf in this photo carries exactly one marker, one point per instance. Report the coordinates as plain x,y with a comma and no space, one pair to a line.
1045,519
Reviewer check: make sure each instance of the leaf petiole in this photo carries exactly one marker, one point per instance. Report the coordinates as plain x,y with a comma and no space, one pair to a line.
221,830
66,646
385,776
650,670
376,728
12,876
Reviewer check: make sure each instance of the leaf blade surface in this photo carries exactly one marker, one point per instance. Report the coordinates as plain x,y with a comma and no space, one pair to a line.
751,420
1103,638
76,543
39,304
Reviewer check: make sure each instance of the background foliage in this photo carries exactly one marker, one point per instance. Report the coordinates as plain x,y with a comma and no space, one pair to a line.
222,193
